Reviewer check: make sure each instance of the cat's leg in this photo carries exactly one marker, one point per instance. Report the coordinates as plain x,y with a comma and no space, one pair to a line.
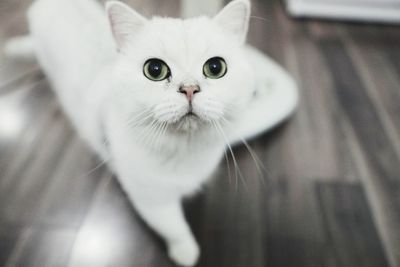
167,219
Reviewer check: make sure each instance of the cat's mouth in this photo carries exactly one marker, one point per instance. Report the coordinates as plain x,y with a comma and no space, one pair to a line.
189,117
189,121
190,114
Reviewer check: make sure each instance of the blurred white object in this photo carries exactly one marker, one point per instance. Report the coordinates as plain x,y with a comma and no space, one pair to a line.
363,10
193,8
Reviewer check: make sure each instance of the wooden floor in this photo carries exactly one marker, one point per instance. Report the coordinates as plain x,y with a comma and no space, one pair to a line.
331,196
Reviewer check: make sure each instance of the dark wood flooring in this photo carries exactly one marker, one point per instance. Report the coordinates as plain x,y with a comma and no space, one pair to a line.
331,196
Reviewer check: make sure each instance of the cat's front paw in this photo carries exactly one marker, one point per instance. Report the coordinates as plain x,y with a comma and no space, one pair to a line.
184,253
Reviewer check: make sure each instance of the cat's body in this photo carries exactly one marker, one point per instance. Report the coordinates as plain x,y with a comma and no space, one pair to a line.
107,98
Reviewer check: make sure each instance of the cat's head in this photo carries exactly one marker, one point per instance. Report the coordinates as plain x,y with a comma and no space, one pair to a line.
187,74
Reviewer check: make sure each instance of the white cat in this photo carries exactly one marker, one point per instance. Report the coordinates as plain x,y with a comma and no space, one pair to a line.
158,98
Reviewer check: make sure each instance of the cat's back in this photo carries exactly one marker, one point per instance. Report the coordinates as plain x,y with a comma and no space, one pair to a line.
74,46
71,39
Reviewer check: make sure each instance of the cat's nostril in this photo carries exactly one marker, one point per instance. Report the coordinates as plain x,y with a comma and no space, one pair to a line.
189,91
189,88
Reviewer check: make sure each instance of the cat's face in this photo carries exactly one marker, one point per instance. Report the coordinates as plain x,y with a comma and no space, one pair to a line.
184,73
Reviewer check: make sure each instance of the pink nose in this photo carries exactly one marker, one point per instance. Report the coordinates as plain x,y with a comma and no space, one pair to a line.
189,90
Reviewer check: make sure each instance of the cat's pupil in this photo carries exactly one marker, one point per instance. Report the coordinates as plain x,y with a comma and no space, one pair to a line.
215,66
155,68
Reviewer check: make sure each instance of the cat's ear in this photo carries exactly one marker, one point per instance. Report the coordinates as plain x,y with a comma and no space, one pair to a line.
125,22
234,18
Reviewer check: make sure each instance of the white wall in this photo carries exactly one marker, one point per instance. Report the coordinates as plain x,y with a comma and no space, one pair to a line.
365,10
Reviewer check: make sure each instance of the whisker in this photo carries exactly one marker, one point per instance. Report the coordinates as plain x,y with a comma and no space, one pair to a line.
163,131
145,133
157,135
260,18
140,118
237,169
228,166
141,113
257,161
226,157
98,166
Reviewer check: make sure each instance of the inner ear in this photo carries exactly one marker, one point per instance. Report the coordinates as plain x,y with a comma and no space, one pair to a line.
125,22
234,19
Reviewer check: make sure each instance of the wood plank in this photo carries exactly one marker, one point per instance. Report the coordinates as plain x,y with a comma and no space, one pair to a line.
8,240
291,226
358,107
374,141
293,233
72,187
264,32
230,214
28,114
352,239
44,247
312,131
378,76
23,189
390,36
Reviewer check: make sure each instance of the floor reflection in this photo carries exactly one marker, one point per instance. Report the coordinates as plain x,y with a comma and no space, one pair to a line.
96,244
12,118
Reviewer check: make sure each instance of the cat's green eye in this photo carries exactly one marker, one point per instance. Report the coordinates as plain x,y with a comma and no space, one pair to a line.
156,70
215,68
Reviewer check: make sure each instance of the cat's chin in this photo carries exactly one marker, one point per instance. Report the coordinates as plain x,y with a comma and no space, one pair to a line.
190,122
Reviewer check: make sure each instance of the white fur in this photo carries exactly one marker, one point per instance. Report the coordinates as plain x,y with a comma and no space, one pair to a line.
106,96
